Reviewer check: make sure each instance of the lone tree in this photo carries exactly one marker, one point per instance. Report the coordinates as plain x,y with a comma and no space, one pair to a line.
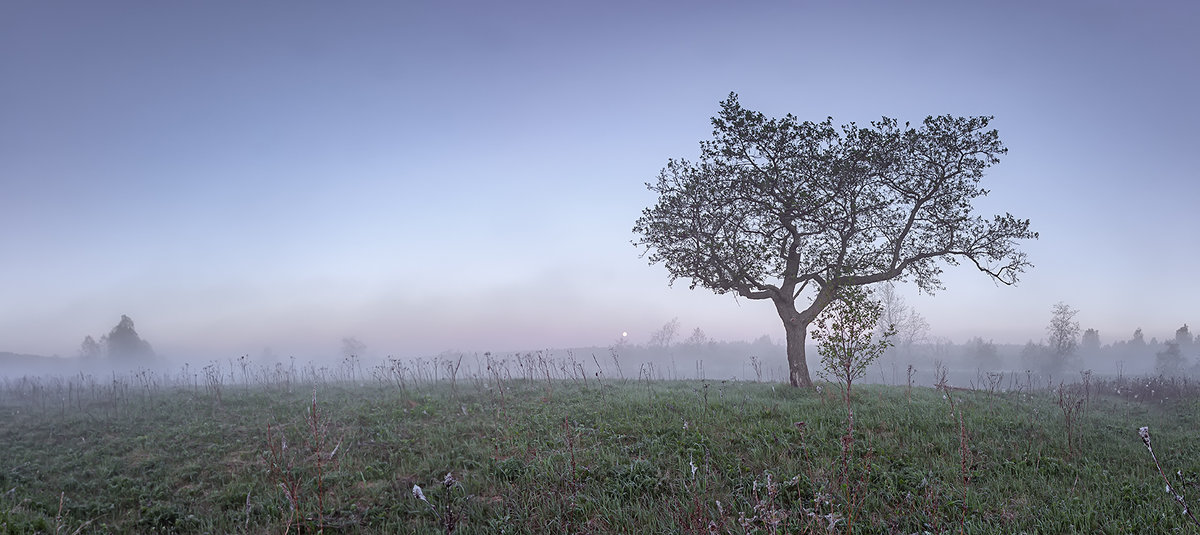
123,343
776,206
1063,336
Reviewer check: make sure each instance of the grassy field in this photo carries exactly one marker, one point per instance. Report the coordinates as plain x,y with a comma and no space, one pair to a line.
520,455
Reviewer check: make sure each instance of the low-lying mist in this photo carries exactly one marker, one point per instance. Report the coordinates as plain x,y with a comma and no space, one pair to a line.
973,364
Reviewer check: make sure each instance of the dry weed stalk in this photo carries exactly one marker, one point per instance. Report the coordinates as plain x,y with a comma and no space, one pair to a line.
58,520
1070,403
282,463
767,513
599,371
964,452
570,446
450,515
1144,432
1086,375
908,390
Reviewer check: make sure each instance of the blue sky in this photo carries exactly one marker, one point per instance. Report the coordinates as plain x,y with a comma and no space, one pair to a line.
464,175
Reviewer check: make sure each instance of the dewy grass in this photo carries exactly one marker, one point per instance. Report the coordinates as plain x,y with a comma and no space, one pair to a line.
157,454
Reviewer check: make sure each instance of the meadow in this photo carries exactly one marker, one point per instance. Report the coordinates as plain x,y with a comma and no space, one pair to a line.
527,445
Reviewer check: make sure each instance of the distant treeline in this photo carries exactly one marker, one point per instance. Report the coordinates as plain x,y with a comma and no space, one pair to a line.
698,357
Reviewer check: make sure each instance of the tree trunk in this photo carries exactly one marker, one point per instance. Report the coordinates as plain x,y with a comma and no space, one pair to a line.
797,334
795,326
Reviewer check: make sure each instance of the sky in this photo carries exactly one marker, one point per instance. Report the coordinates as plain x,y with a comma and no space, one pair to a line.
430,176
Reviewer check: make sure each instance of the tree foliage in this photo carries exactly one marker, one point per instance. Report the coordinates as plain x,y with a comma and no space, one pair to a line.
697,338
911,327
1170,360
1062,335
983,354
123,342
846,335
1138,340
1090,343
353,347
788,210
1183,337
1035,356
90,348
663,337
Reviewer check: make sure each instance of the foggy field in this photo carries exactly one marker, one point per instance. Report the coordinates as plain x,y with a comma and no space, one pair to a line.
554,455
911,268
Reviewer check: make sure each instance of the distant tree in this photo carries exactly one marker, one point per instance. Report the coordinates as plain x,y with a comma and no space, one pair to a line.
894,309
1063,335
776,206
763,345
353,347
1138,340
940,347
697,338
663,337
90,349
983,354
1035,356
911,327
123,343
1090,345
914,330
1183,337
1169,361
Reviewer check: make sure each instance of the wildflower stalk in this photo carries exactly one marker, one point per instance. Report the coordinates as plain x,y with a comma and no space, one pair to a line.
1145,434
964,452
420,495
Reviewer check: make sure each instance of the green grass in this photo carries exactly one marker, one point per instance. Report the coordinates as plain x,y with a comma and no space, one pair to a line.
562,457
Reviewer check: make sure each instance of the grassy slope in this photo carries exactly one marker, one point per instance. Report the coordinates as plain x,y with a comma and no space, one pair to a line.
570,458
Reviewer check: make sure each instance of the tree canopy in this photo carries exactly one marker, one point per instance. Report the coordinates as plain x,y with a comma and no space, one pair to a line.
1062,335
123,342
777,206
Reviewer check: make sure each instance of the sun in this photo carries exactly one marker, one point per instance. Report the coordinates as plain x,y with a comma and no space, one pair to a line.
624,334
